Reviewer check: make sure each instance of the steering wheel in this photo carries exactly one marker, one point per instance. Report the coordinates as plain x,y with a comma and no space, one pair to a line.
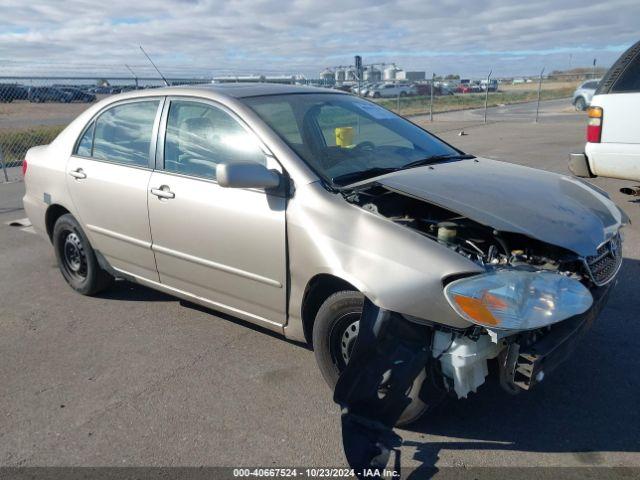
365,146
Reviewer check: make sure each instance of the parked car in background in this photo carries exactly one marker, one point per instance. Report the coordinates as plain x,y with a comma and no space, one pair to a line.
108,90
387,90
11,91
300,208
491,86
59,94
613,136
73,94
471,87
584,93
46,94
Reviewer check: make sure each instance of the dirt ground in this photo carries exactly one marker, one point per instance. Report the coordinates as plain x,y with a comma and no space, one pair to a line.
22,114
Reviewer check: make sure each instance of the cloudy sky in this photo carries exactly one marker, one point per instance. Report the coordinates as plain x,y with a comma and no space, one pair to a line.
204,37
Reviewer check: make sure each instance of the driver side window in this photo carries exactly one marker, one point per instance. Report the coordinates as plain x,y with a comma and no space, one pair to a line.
199,136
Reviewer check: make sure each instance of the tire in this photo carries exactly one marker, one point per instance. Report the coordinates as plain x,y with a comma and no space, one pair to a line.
336,318
376,95
403,94
76,259
580,104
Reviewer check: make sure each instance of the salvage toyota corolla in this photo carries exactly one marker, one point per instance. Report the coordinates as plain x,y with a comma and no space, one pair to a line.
291,207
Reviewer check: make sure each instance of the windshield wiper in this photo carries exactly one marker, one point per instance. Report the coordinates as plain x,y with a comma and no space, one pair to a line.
434,159
353,177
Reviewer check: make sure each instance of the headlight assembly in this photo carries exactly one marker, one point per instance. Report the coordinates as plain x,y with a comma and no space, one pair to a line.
517,300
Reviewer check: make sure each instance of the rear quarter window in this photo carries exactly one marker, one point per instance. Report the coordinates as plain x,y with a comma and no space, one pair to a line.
629,81
85,145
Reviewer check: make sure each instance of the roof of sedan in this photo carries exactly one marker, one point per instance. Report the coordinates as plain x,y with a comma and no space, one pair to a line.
243,90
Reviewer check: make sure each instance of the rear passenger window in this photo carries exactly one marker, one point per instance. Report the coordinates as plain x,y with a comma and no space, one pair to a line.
200,136
123,133
629,81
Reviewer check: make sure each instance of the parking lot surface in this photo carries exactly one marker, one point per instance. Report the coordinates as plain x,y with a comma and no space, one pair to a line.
135,377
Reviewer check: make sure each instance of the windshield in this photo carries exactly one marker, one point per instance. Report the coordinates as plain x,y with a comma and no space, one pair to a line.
344,138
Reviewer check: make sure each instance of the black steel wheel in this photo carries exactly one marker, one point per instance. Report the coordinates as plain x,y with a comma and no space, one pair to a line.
76,259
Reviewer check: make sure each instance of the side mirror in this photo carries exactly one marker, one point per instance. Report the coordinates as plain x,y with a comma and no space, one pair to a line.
246,175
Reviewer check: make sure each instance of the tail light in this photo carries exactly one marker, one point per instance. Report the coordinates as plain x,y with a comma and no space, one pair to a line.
24,167
594,127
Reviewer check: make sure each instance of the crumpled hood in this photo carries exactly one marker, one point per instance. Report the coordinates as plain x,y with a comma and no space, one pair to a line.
555,209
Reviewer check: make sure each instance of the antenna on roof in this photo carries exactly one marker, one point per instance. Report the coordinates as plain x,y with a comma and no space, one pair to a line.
154,66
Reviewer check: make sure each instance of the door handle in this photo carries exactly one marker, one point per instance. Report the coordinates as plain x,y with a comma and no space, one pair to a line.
163,192
78,174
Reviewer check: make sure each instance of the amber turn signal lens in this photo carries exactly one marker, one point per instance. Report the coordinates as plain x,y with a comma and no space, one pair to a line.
594,112
477,310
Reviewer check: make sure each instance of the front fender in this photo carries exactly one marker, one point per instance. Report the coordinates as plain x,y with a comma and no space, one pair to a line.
396,268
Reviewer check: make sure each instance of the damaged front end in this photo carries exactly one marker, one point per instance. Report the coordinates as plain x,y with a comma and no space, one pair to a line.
526,311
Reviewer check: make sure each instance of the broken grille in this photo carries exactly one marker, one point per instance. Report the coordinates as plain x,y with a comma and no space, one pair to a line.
603,266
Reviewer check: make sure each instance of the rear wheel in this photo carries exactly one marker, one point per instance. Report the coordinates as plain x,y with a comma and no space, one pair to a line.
334,334
580,104
76,259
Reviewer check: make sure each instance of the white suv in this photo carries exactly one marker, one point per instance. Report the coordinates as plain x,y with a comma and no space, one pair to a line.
613,136
584,93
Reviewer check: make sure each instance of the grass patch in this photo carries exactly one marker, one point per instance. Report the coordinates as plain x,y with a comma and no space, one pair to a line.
418,105
15,144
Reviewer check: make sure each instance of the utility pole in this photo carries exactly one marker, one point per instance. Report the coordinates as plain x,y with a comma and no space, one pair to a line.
539,88
486,95
358,62
594,69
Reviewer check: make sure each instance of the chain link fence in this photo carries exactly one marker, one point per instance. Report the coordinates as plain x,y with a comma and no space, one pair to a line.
33,110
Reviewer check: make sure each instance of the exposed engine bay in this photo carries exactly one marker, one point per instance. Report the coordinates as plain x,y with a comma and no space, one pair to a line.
479,243
463,355
373,388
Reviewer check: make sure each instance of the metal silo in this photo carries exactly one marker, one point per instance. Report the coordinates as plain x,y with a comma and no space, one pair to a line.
390,73
327,75
340,75
352,75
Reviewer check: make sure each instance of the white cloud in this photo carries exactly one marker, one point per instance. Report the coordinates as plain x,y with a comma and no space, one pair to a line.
200,37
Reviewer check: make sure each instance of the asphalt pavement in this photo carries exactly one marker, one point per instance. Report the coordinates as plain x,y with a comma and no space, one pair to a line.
134,377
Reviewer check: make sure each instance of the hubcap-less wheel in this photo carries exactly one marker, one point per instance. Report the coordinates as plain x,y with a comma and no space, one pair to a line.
74,257
343,338
348,340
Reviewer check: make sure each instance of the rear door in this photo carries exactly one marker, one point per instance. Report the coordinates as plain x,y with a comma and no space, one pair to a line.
222,245
618,153
108,176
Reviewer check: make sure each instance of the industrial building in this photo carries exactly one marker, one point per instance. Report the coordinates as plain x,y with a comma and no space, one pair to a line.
379,72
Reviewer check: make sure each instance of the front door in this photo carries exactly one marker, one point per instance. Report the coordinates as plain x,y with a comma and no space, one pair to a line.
108,177
223,245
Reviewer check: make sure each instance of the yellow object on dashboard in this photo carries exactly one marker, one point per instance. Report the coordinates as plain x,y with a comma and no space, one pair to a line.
344,136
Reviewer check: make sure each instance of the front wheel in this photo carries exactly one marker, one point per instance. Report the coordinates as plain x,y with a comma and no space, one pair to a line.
581,104
334,334
76,259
